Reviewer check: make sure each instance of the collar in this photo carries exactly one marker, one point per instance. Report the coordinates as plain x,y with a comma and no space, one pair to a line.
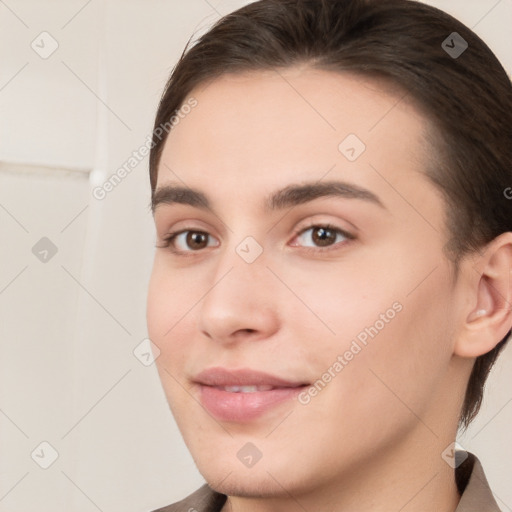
476,495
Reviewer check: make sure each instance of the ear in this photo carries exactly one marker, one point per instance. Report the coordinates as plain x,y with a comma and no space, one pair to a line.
489,313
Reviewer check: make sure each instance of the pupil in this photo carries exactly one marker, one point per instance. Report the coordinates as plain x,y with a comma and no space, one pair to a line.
194,238
326,236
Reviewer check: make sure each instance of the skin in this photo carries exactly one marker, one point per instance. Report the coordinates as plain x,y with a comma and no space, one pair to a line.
372,439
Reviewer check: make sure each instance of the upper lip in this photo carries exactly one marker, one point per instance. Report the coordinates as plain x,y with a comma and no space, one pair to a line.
218,376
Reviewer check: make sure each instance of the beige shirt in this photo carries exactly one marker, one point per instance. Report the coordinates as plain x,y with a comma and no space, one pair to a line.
476,496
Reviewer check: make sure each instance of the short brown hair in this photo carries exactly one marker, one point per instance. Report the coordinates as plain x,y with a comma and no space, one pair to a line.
467,97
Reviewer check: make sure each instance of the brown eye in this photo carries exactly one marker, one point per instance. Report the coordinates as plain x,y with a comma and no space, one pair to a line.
322,236
186,241
196,239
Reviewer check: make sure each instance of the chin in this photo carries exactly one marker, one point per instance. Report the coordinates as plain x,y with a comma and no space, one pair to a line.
249,486
266,479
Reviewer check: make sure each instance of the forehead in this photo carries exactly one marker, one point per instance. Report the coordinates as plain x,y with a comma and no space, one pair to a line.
280,108
259,131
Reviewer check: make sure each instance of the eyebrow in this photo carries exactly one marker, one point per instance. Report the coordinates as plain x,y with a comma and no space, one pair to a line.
291,195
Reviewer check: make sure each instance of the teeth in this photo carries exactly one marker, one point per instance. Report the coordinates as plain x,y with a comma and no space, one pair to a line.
246,389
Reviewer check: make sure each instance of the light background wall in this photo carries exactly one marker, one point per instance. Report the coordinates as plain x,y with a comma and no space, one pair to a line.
74,269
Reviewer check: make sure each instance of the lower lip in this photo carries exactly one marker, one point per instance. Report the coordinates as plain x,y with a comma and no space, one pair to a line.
240,407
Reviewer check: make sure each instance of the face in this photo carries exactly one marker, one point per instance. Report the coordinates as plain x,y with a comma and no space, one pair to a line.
344,300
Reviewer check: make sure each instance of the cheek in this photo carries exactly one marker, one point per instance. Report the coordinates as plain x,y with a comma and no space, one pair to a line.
157,306
163,313
380,390
166,316
339,301
405,358
392,340
169,300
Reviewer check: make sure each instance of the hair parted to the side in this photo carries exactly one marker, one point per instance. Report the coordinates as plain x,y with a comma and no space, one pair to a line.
468,99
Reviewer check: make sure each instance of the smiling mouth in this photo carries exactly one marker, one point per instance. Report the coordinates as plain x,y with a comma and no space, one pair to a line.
243,395
243,404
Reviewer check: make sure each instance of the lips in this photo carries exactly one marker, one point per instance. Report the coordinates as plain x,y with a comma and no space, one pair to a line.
222,377
243,395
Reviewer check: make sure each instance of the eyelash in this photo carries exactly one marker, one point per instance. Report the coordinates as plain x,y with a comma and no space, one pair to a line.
169,239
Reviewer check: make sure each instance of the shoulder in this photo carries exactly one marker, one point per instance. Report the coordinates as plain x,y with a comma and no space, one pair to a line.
205,499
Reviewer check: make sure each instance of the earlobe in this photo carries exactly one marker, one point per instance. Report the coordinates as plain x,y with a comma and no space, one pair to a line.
490,318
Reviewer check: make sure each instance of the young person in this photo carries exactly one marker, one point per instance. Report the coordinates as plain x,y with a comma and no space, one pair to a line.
332,278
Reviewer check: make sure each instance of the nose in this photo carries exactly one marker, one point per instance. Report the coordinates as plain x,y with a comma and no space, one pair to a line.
242,301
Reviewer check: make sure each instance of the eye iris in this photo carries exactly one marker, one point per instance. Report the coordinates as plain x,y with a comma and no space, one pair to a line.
194,238
326,236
